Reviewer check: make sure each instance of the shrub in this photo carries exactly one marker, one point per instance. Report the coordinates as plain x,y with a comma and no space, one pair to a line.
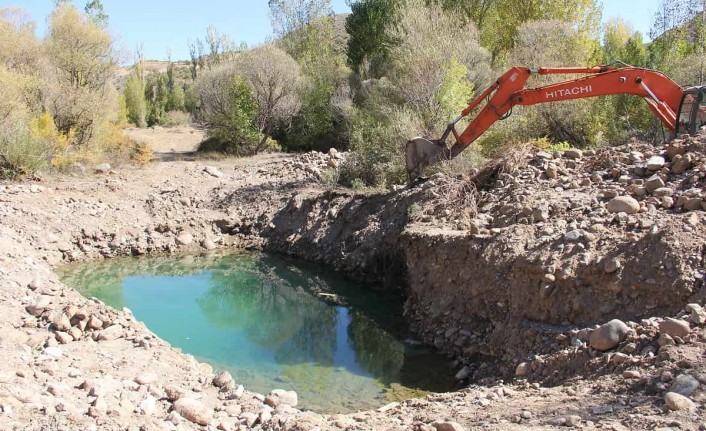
21,153
176,118
229,111
377,144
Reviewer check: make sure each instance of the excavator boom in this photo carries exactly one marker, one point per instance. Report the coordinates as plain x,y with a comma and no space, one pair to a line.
662,95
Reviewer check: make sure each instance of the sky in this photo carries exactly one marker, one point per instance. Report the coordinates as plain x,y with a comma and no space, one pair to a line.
164,26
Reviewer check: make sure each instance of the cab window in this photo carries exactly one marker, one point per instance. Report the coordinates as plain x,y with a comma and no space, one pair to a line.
701,114
685,112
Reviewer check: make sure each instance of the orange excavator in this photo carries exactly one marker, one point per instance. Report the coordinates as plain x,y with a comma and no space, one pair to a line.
682,110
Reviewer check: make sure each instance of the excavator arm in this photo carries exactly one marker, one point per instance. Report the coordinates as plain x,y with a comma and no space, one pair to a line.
662,95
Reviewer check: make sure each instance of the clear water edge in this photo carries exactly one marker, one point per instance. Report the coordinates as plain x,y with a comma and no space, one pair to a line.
260,318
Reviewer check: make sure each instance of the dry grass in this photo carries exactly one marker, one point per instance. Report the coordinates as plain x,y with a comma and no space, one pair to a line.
509,159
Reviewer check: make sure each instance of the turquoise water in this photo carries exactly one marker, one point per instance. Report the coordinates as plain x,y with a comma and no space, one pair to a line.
274,323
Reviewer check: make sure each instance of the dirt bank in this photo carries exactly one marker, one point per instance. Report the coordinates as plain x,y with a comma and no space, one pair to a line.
505,285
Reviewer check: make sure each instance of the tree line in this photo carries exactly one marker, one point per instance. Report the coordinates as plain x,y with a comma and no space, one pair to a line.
366,82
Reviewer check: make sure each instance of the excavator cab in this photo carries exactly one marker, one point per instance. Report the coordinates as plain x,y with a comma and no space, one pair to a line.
692,111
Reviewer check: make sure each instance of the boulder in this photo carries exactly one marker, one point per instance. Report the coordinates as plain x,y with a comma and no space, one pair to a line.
655,163
653,183
111,333
674,327
193,410
685,385
678,402
609,335
623,204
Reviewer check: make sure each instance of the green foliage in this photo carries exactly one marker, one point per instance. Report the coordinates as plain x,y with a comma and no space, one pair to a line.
377,144
229,111
500,21
367,43
135,101
94,9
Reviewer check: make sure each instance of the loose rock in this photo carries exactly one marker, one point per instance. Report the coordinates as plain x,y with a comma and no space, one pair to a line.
193,410
609,335
678,402
623,204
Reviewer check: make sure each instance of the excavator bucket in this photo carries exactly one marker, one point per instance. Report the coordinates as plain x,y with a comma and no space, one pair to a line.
421,153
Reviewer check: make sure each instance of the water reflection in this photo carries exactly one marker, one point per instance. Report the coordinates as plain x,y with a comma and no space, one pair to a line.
257,317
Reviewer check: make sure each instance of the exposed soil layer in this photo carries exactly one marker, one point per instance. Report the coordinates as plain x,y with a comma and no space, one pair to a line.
513,287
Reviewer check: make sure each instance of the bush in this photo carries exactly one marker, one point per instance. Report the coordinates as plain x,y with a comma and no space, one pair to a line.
21,153
176,118
377,144
229,112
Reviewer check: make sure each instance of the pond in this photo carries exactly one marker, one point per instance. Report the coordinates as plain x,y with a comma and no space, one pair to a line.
274,323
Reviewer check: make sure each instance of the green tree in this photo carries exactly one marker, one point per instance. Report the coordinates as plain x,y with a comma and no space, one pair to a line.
94,9
435,63
275,80
135,101
78,90
229,112
368,45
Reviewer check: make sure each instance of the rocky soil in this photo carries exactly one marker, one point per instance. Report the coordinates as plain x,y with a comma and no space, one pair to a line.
524,285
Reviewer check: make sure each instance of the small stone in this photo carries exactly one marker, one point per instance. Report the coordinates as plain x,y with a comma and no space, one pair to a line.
39,307
611,265
63,337
609,335
148,405
697,313
678,402
573,420
674,327
693,204
463,373
174,392
665,340
623,204
213,171
682,165
193,410
573,235
653,183
523,369
146,378
655,163
447,426
61,322
185,239
526,415
103,168
573,154
280,396
209,245
111,333
223,380
685,385
631,374
95,323
53,351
